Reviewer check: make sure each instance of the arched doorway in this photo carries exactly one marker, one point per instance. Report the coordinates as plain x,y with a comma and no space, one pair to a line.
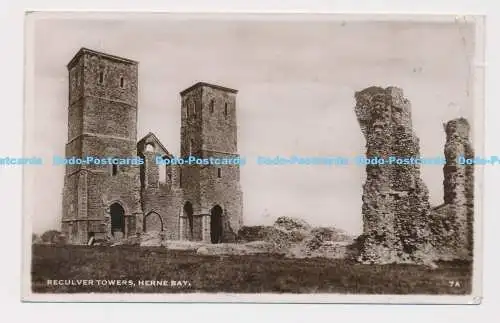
216,224
117,219
188,213
153,222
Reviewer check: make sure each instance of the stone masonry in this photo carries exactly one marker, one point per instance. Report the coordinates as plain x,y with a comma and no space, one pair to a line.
395,200
110,202
453,221
101,122
208,129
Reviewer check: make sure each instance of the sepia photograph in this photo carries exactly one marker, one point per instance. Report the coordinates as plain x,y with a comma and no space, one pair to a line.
317,158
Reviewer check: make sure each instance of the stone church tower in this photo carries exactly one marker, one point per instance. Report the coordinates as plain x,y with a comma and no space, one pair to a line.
101,200
212,208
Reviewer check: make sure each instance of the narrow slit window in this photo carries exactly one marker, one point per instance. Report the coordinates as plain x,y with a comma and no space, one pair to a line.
225,110
114,170
191,147
219,173
212,103
101,77
122,82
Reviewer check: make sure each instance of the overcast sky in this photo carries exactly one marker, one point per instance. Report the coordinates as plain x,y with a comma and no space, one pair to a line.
296,82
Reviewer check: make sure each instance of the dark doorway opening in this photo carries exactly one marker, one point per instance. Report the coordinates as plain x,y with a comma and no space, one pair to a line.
117,219
216,224
188,212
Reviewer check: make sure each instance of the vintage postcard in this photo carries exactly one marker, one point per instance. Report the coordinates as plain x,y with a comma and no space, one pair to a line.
314,158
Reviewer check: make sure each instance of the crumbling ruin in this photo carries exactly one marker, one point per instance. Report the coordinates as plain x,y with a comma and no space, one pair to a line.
452,222
395,200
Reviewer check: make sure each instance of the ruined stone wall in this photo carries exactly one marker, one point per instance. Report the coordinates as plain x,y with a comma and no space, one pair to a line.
161,199
395,200
185,229
453,221
167,204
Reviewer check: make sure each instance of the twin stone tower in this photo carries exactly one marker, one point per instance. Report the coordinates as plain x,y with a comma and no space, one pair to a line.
200,203
204,203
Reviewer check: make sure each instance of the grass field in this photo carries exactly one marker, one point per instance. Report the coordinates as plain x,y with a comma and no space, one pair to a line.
234,274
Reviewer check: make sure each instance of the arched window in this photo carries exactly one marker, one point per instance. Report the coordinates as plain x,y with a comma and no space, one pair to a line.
150,147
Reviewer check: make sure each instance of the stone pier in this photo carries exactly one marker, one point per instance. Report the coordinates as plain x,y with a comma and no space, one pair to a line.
395,200
453,221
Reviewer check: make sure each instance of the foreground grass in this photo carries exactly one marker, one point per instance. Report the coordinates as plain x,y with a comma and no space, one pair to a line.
235,274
